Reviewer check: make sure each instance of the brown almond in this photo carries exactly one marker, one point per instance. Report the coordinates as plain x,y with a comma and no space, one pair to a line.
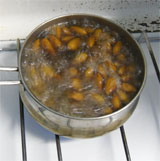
74,44
73,71
117,47
109,110
99,80
80,58
122,70
101,70
108,46
126,77
97,33
47,71
112,67
55,41
58,32
116,102
49,102
67,38
36,45
66,30
76,84
77,96
89,72
110,85
117,63
89,30
128,87
121,57
46,45
131,68
79,30
90,41
98,98
32,72
123,96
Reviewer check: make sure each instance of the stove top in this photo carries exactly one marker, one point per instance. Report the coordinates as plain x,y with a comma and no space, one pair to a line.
142,129
34,143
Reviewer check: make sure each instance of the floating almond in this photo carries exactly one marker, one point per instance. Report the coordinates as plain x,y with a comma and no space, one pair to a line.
90,59
67,38
32,71
38,86
66,30
117,47
131,68
77,96
98,98
79,30
108,46
99,80
108,110
47,71
80,58
36,81
74,44
76,84
123,96
97,33
89,72
126,77
117,63
49,102
90,41
89,30
101,70
58,32
116,102
55,41
46,45
36,45
112,67
121,57
122,70
128,87
110,85
73,71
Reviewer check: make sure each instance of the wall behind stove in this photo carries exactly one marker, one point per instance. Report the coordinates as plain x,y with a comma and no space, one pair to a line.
19,17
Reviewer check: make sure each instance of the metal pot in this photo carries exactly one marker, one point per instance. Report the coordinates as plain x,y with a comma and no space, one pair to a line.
72,126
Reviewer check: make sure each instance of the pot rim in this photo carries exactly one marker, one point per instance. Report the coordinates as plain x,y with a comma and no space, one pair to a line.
73,117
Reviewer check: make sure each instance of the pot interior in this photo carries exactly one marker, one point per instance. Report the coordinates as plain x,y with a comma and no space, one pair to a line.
129,42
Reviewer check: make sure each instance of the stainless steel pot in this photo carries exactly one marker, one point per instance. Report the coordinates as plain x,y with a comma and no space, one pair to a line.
73,126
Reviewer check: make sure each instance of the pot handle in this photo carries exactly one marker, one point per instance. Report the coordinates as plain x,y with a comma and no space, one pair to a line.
9,82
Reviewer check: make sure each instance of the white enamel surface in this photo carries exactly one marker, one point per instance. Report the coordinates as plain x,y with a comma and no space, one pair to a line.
19,17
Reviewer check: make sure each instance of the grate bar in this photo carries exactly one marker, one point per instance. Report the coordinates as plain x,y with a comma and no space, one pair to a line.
22,123
141,39
23,138
10,69
152,55
59,152
7,49
125,144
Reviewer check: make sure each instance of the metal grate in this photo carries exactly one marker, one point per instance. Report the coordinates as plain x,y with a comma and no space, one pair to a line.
142,39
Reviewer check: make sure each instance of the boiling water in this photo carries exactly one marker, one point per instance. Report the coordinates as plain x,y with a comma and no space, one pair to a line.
48,77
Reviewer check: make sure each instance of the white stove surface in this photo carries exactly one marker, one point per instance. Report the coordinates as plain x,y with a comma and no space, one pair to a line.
142,129
19,17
